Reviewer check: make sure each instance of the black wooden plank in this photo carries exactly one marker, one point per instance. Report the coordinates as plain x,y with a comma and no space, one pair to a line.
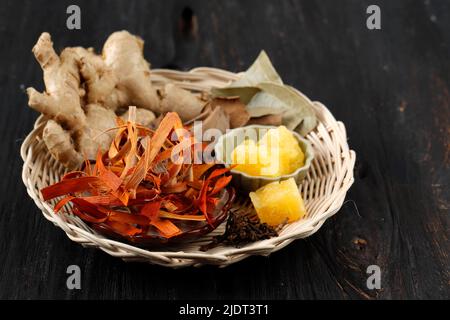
390,87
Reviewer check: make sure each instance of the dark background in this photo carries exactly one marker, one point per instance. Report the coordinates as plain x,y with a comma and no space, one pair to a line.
390,87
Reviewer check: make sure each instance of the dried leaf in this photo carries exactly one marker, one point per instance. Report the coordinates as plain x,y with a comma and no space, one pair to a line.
244,93
234,108
269,120
216,119
261,70
264,93
300,115
264,103
246,86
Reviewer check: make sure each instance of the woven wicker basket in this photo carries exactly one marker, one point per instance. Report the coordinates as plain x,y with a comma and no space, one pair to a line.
323,190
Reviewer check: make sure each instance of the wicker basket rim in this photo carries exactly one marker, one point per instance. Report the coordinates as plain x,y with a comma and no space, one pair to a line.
332,132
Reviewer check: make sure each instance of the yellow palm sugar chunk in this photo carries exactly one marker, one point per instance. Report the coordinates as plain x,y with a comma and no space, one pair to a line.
278,202
250,169
279,137
292,158
276,153
245,156
284,142
269,158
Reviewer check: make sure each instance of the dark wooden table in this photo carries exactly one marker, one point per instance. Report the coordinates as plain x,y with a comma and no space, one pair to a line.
390,87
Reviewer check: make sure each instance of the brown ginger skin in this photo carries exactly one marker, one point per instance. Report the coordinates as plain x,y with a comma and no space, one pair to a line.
60,145
123,78
62,102
96,133
61,99
143,116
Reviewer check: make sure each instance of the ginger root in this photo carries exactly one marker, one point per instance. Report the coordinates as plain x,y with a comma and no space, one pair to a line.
186,104
143,116
122,77
96,133
60,145
79,127
84,93
61,101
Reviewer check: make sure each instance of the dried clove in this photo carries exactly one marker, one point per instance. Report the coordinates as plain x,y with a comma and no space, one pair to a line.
243,226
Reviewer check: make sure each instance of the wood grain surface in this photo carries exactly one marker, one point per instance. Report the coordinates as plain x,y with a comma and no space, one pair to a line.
390,87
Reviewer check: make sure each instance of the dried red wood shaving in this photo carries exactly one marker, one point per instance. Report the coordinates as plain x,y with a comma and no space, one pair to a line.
135,184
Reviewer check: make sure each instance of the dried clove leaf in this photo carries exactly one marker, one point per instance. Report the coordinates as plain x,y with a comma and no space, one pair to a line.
216,118
264,93
299,114
261,70
268,120
234,108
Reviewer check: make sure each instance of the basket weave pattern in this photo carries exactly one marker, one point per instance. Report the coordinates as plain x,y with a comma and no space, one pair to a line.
323,189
